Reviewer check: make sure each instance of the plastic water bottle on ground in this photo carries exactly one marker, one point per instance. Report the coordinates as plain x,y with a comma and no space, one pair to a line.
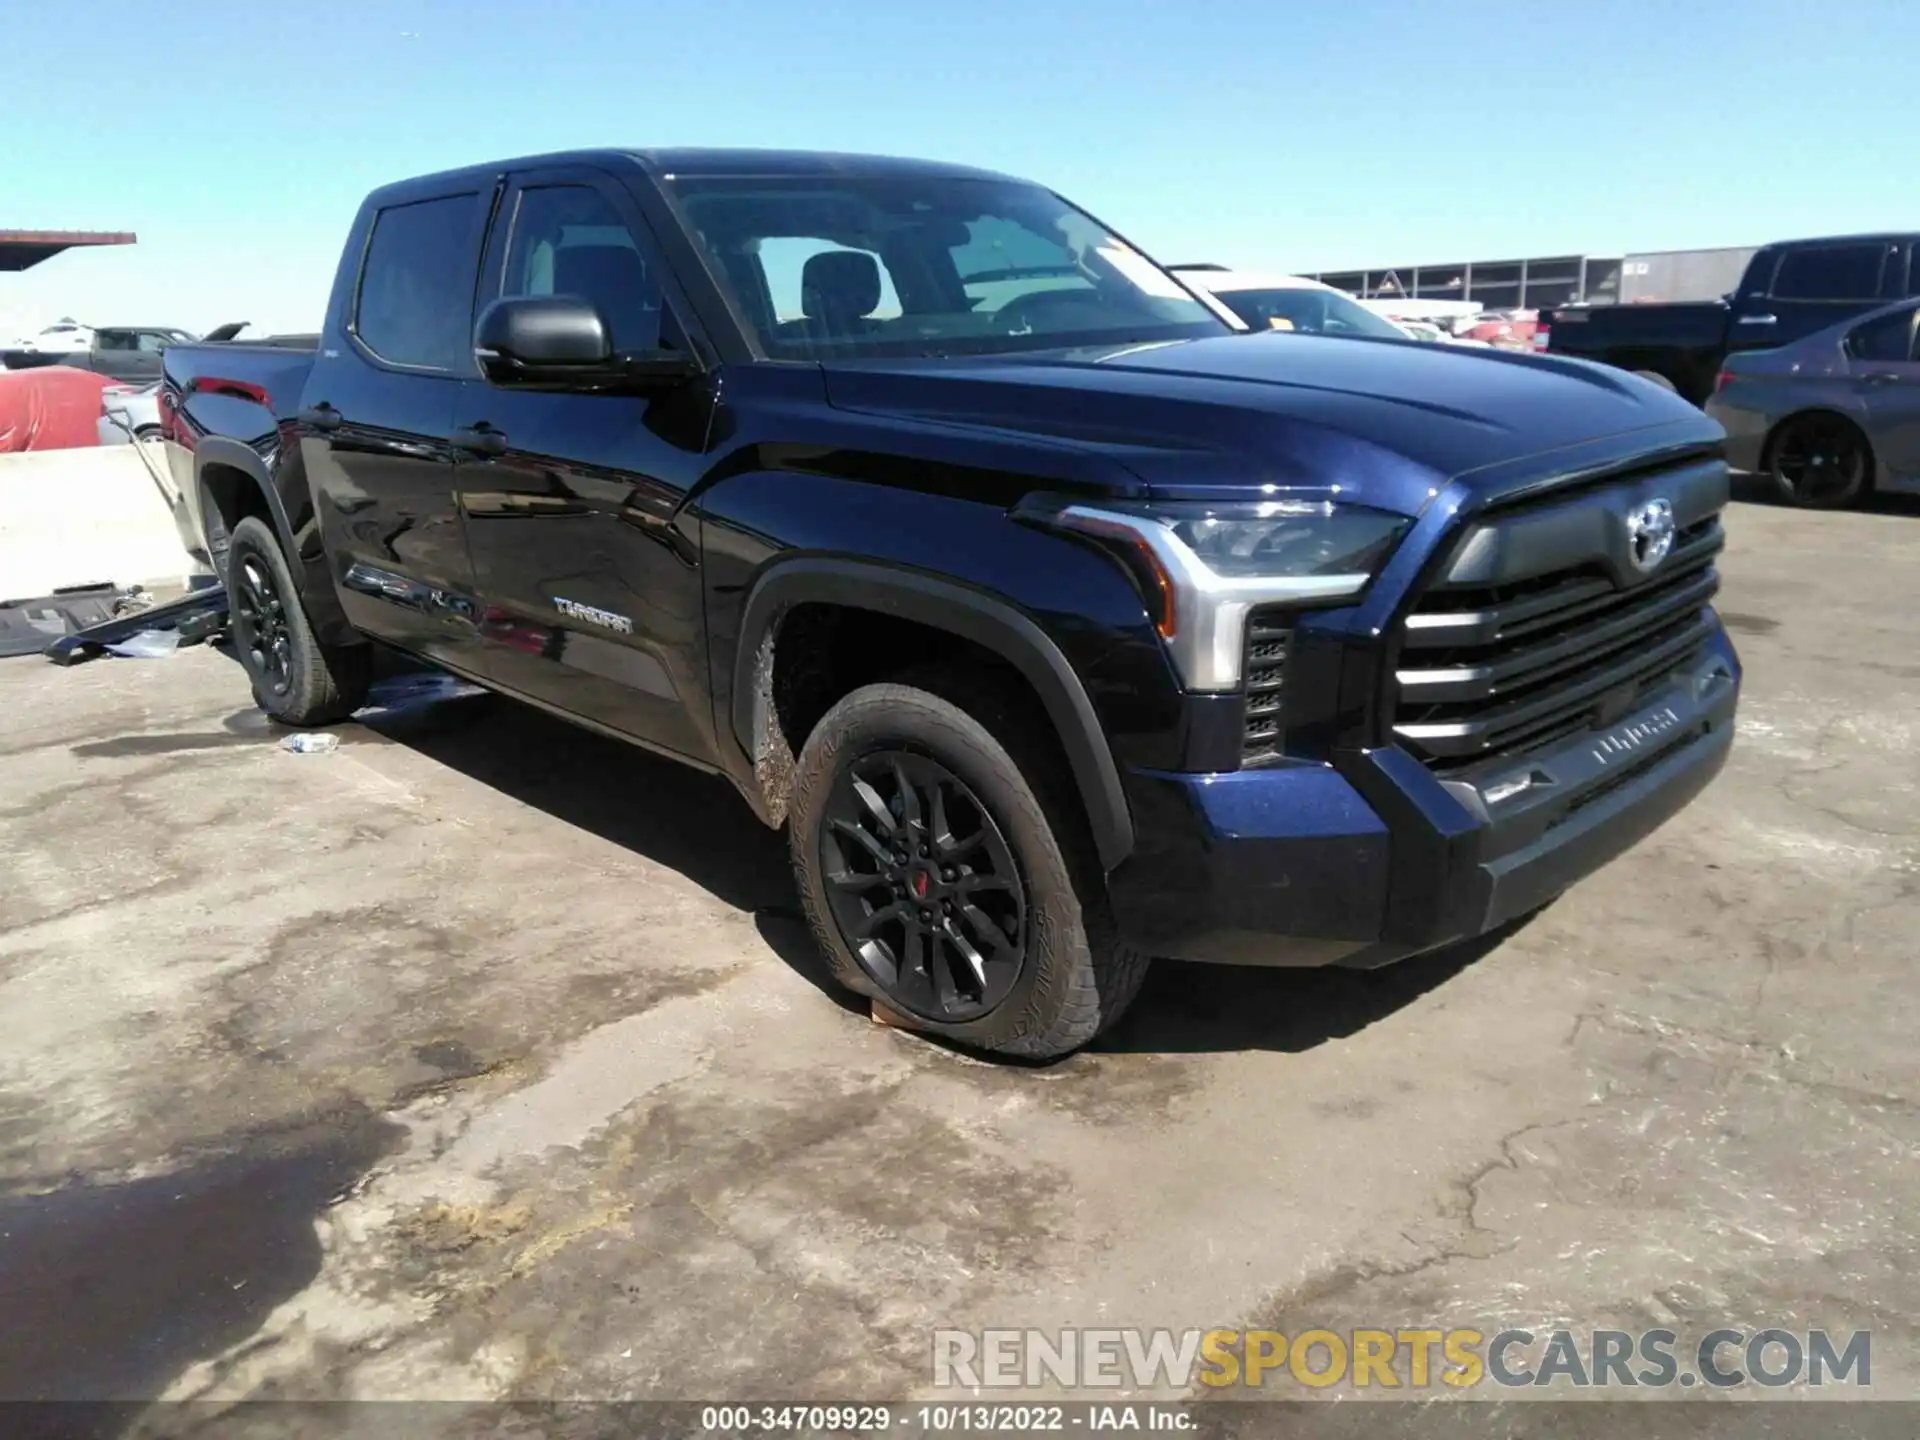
311,743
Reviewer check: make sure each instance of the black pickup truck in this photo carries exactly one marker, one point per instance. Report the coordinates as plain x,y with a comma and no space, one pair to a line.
1790,289
1060,620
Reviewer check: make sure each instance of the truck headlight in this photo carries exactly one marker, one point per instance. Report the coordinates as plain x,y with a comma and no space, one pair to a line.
1203,566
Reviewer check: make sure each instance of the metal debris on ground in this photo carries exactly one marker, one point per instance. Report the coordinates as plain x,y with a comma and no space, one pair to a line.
147,645
195,616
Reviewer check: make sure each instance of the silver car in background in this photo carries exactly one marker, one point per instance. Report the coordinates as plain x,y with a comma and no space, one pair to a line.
129,413
1833,416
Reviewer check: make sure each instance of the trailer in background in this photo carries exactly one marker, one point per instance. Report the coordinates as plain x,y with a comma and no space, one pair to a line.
1661,275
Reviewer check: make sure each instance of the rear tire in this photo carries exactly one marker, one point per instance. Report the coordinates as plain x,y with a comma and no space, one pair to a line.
957,974
1820,462
296,679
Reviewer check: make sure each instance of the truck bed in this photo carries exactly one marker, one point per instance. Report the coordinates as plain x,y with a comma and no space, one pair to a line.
1684,341
209,381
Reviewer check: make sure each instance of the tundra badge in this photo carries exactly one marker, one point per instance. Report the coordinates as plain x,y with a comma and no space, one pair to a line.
594,615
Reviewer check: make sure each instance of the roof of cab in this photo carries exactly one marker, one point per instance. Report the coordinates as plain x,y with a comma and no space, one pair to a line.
697,162
802,163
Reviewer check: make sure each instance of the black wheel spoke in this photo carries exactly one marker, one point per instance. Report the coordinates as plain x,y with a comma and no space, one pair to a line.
969,953
972,884
944,988
937,828
876,807
916,972
985,926
866,842
898,910
909,800
956,848
882,962
937,919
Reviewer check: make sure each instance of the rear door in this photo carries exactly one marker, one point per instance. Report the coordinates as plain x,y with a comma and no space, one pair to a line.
1815,286
585,565
377,419
1884,361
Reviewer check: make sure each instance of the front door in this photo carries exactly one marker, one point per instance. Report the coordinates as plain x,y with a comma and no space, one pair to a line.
585,565
1885,362
376,428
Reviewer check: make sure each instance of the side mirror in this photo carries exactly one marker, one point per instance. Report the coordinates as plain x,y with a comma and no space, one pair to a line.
561,342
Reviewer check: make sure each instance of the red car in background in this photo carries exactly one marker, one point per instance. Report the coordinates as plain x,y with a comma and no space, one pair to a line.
1509,329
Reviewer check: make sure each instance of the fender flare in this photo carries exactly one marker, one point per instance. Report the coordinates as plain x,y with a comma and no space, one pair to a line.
237,455
308,562
984,619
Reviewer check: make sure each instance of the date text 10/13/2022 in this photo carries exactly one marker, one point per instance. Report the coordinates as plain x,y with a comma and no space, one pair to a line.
940,1419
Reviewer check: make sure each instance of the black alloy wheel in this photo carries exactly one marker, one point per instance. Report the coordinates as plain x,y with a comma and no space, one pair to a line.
923,886
1820,462
260,624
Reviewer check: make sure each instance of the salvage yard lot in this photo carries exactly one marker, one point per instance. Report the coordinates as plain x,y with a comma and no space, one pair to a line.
484,1056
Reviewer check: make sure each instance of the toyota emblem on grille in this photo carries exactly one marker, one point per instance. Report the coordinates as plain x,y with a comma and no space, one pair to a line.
1650,533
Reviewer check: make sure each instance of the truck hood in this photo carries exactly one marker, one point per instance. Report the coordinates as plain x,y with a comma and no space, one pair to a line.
1386,421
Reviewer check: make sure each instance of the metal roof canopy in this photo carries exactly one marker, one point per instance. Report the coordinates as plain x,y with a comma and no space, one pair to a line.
23,249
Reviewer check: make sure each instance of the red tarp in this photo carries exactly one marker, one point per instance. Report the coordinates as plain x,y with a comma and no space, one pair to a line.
54,407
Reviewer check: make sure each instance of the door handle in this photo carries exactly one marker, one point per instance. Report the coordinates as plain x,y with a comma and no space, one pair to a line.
480,439
1882,377
1758,320
322,417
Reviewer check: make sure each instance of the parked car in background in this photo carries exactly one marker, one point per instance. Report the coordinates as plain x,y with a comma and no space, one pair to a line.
1446,316
1443,320
1504,329
1289,302
1831,417
63,336
1789,290
129,413
129,353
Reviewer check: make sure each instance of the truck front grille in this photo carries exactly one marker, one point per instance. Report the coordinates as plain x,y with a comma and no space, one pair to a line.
1269,632
1504,669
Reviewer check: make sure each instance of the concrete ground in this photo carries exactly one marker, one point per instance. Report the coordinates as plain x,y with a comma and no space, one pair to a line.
485,1058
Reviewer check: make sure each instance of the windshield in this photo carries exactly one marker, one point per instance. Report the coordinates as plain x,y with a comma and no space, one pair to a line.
829,267
1318,312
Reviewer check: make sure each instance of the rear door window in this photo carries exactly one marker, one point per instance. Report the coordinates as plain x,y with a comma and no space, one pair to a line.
1830,272
416,284
1885,339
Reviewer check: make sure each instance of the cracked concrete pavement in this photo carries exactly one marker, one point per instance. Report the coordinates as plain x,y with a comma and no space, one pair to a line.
484,1057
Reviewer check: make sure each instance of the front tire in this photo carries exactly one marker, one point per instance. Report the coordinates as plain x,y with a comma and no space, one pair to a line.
944,874
1820,462
296,679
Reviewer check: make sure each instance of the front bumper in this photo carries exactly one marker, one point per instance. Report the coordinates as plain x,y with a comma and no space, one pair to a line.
1746,431
1372,857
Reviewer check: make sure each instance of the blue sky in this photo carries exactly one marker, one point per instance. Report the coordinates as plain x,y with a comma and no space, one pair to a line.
238,138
